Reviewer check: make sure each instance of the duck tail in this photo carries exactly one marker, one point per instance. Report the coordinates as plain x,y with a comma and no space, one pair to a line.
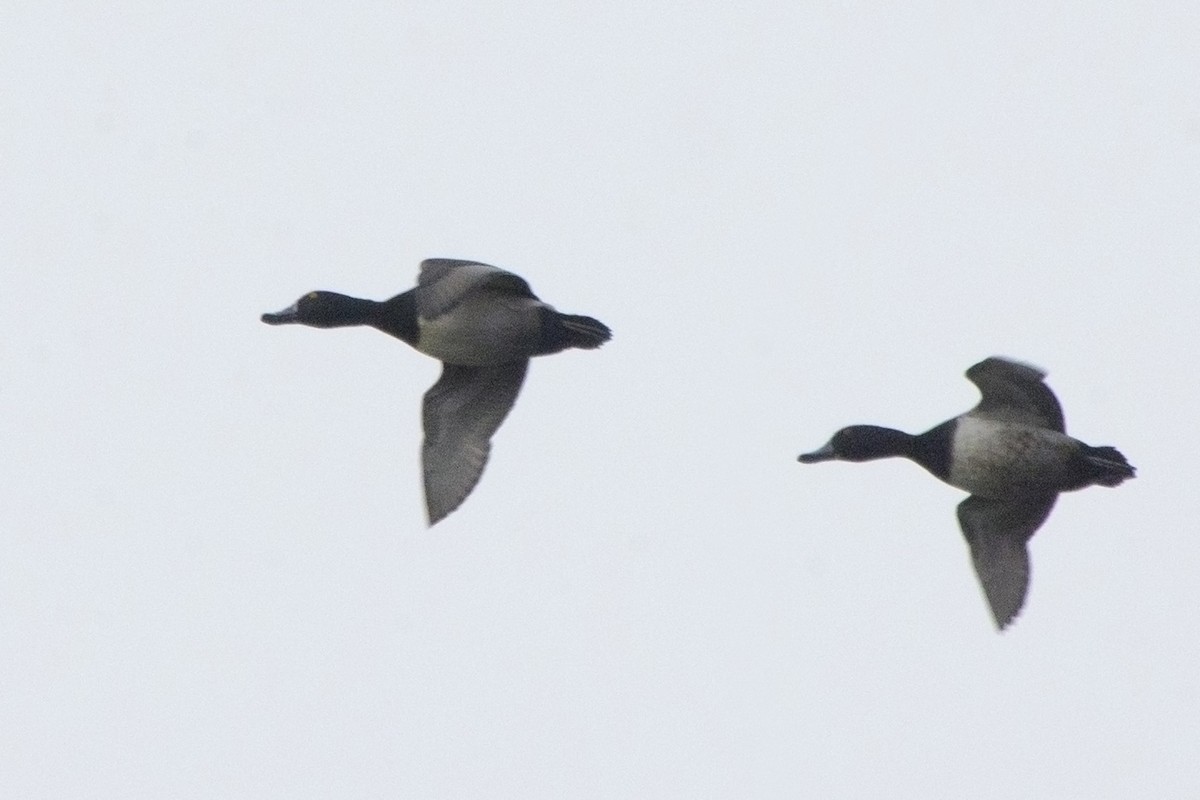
583,332
1109,466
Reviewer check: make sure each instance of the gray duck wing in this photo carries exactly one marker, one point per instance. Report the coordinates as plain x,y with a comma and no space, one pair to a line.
461,413
997,532
1015,392
444,282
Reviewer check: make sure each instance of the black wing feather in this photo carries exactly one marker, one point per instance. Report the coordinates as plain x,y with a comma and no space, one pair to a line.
444,282
1015,392
997,532
461,413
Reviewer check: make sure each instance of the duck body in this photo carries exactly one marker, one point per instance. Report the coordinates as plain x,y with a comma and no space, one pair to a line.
484,324
999,459
489,327
1011,453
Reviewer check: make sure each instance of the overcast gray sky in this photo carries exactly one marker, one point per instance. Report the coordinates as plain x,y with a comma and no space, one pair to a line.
217,580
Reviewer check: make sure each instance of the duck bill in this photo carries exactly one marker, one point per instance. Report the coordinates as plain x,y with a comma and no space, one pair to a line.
284,317
824,454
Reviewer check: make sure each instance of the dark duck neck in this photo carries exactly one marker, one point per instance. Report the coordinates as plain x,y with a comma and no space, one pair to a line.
870,442
395,317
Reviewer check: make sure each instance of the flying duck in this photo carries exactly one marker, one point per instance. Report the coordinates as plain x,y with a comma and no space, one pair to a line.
484,324
1011,452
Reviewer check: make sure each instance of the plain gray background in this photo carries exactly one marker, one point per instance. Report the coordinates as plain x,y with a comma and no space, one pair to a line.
216,580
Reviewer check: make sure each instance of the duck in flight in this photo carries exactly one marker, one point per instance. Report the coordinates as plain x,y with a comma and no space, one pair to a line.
484,324
1011,452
